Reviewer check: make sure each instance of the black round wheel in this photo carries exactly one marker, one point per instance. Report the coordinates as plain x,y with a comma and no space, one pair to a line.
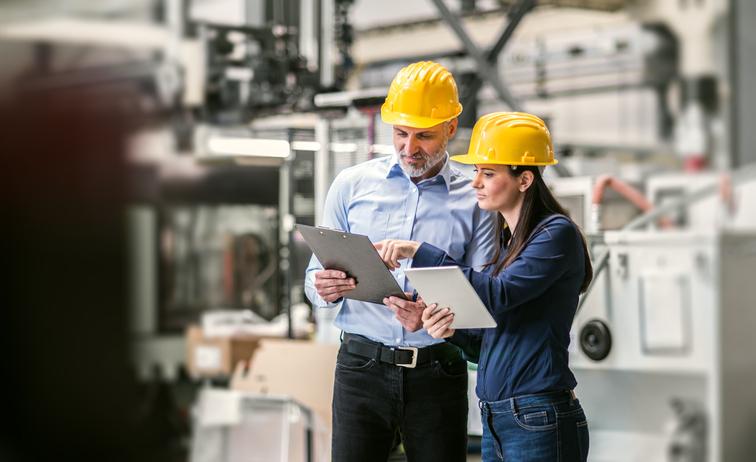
595,340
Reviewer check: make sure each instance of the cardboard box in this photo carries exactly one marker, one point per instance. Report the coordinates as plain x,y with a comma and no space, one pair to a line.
216,356
301,370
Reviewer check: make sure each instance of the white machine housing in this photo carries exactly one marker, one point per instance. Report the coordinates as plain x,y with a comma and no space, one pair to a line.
681,311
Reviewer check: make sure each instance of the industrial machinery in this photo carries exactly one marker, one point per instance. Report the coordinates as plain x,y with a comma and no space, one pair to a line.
728,205
570,62
660,342
275,59
576,194
662,350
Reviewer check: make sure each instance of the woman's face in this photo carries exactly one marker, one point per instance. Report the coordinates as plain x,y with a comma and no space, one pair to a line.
496,188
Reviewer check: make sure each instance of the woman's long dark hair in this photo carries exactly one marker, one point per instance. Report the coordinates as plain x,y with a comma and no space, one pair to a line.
538,204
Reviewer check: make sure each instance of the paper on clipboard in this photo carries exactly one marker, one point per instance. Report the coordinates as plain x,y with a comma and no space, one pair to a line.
355,255
448,286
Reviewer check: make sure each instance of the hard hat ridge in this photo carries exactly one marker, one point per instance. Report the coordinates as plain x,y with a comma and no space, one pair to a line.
422,95
509,138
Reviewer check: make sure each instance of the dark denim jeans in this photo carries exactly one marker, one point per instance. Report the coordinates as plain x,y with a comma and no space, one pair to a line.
545,427
373,400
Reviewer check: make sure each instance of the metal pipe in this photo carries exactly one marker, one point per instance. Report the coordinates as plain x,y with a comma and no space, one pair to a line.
625,190
327,12
600,263
322,169
286,222
740,176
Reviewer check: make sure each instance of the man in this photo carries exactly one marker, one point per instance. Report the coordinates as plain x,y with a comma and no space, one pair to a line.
391,375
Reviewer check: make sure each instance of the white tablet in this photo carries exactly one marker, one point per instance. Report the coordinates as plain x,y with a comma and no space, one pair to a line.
448,286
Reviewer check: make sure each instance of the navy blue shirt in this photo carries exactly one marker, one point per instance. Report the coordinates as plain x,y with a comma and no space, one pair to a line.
533,301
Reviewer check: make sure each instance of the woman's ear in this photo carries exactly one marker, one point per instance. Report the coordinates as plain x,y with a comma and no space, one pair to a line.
526,180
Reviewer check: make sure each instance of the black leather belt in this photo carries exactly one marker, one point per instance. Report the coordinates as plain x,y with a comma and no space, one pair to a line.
399,356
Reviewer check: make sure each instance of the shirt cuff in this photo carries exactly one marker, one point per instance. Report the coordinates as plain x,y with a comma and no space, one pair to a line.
329,305
317,301
428,255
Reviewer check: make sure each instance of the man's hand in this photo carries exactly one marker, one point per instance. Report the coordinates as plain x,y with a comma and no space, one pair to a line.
393,250
437,322
333,284
408,313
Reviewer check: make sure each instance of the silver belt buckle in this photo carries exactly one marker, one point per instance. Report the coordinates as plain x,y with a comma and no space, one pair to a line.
413,363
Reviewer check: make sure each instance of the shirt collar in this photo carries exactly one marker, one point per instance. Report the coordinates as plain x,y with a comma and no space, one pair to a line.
395,169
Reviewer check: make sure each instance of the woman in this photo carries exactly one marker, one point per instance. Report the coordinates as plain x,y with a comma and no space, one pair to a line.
531,287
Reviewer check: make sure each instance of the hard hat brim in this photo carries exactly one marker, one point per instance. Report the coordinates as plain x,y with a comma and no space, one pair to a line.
472,159
408,120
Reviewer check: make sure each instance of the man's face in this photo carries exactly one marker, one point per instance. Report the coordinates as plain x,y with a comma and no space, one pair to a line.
421,149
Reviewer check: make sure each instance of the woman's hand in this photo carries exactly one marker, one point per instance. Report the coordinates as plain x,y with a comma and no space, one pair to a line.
393,250
437,322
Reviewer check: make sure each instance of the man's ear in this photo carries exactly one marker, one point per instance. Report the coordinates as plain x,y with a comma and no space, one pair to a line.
452,127
526,180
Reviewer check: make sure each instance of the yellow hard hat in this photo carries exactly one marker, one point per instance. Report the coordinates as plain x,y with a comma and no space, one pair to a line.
422,95
509,138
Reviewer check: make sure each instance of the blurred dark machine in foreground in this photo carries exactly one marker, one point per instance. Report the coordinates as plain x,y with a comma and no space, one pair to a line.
68,386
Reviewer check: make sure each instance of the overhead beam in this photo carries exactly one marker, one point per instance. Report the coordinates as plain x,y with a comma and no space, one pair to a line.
486,70
514,17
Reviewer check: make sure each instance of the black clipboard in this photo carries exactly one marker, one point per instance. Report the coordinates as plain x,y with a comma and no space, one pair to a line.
355,255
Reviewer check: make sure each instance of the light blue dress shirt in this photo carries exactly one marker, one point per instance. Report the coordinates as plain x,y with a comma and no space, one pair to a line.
377,199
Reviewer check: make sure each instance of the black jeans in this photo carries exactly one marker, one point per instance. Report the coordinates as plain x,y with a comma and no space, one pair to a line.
373,399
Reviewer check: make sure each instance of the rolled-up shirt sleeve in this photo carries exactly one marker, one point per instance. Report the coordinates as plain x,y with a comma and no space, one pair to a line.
335,217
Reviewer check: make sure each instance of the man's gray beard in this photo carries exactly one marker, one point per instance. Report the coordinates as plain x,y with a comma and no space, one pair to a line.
430,162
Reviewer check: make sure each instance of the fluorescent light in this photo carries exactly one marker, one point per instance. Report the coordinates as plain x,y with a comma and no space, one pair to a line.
343,147
346,98
77,31
305,146
248,147
339,147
